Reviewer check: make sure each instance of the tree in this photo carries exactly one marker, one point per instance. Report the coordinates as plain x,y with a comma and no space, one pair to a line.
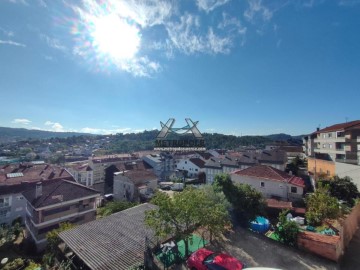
246,201
295,164
114,207
287,230
186,211
344,189
320,205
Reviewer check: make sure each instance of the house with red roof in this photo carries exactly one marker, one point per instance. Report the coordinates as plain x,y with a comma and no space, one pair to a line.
271,182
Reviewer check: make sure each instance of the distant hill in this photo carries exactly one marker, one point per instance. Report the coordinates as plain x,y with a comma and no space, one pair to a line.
17,134
286,137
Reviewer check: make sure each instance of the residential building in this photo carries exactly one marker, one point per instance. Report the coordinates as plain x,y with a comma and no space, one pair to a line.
116,242
50,203
122,166
134,185
192,166
99,164
335,150
16,178
230,163
163,165
271,182
82,173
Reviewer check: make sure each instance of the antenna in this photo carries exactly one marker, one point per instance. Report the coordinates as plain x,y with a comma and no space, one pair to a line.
346,119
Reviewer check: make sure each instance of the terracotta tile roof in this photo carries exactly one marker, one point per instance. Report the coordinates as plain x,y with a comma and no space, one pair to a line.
31,173
270,173
113,242
57,191
139,176
114,158
341,126
198,162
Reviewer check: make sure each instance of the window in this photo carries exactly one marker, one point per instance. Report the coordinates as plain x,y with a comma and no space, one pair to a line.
185,162
324,135
262,184
20,197
329,135
196,170
3,213
293,189
4,202
280,186
330,145
324,145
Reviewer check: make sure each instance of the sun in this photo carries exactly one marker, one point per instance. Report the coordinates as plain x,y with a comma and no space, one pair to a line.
116,37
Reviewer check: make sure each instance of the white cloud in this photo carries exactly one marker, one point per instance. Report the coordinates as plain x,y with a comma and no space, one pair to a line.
186,36
256,10
42,3
53,42
21,121
109,131
349,3
209,5
12,43
24,2
55,126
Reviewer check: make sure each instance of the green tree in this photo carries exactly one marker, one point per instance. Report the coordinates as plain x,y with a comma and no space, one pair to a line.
320,205
186,211
344,189
287,230
247,202
114,207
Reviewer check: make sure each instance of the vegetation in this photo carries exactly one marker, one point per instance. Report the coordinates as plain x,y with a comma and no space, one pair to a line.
287,230
247,202
343,189
185,212
114,207
16,264
295,164
320,206
53,241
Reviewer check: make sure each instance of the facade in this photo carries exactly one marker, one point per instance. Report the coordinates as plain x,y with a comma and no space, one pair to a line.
50,203
134,185
163,165
335,150
82,173
274,158
16,178
271,182
99,164
193,166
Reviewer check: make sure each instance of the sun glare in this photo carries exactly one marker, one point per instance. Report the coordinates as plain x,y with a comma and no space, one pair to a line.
116,37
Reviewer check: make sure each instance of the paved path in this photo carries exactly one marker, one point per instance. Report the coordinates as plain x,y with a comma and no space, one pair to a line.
257,250
351,259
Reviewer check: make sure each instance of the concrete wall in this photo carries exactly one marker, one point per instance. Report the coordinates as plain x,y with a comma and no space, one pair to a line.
322,166
353,171
349,226
191,168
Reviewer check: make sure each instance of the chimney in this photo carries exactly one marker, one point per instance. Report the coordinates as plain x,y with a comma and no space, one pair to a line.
38,190
317,129
290,173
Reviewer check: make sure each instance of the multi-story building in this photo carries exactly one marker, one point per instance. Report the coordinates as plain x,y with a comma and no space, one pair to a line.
99,164
335,150
15,178
82,173
50,203
163,165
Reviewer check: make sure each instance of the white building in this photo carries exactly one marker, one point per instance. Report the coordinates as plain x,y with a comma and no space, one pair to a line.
271,182
193,166
82,173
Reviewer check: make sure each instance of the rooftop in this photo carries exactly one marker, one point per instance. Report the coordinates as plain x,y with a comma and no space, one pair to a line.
113,242
13,174
57,191
340,127
270,173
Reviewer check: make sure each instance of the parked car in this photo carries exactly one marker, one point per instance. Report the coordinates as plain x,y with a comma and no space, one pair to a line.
204,259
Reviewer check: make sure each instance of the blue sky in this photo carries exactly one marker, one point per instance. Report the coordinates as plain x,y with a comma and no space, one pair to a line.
250,67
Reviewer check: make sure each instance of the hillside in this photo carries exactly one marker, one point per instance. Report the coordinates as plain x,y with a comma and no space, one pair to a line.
17,134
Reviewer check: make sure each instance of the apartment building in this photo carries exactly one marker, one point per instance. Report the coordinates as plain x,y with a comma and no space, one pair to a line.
99,164
163,164
335,150
82,173
49,203
16,178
